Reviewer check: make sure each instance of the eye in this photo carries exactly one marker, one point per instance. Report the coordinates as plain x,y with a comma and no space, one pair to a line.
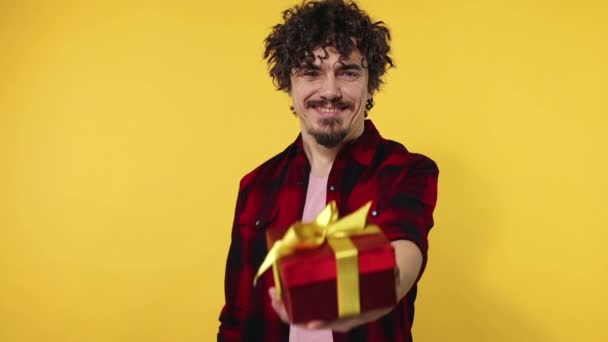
310,73
349,74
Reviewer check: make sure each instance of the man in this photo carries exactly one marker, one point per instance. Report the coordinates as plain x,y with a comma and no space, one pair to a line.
329,57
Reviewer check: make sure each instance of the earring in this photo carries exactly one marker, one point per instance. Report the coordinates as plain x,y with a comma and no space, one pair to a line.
368,106
293,111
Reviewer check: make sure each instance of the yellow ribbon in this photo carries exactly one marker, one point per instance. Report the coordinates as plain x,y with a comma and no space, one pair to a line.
337,232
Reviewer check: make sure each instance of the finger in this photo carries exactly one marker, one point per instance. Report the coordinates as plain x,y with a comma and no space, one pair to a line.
339,325
348,323
272,292
315,324
277,304
327,324
275,299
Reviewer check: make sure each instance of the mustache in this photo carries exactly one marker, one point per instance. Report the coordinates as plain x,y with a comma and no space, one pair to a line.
338,103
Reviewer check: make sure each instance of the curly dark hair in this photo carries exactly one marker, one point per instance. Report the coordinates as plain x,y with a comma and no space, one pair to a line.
321,24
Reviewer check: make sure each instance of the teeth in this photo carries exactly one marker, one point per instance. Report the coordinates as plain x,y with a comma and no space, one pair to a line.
328,110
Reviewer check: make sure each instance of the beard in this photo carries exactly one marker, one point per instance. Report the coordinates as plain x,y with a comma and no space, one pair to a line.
331,135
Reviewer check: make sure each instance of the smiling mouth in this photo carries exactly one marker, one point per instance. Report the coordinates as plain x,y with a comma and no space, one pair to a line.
328,110
324,109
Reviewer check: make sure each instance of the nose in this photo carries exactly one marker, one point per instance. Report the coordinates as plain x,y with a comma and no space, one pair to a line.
330,89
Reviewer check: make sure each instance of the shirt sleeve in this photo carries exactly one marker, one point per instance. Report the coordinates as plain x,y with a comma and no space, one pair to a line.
232,316
406,212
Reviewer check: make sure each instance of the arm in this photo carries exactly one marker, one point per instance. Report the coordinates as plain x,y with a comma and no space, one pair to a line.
232,314
409,263
406,222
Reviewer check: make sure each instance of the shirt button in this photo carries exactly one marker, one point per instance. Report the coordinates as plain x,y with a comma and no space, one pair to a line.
374,212
332,188
258,223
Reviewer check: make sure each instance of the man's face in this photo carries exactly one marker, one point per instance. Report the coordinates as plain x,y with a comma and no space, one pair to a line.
329,96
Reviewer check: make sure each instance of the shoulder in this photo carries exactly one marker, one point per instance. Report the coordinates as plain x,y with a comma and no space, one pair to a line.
408,175
266,172
257,189
394,154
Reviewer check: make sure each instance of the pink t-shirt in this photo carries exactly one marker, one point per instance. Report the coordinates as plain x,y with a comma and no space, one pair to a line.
316,197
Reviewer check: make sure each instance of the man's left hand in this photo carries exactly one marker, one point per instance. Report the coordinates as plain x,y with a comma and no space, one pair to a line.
409,262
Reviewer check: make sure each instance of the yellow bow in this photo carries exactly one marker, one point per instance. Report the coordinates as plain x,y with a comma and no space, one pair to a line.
327,227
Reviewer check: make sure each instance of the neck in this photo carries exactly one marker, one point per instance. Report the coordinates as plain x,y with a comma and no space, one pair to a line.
321,158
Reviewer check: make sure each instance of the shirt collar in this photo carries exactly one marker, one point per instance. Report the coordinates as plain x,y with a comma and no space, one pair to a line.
361,149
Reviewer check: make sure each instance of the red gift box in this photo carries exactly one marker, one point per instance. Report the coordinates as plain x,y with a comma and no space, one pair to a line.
308,278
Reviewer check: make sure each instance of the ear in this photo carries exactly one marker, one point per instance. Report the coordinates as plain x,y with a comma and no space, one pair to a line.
370,92
289,94
289,89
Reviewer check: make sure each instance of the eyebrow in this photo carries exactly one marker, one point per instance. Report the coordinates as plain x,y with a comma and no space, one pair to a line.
351,66
342,67
310,66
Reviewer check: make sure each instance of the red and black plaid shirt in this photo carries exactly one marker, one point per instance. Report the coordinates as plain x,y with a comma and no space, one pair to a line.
403,189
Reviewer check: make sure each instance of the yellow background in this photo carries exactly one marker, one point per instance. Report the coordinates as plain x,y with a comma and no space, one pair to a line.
125,127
